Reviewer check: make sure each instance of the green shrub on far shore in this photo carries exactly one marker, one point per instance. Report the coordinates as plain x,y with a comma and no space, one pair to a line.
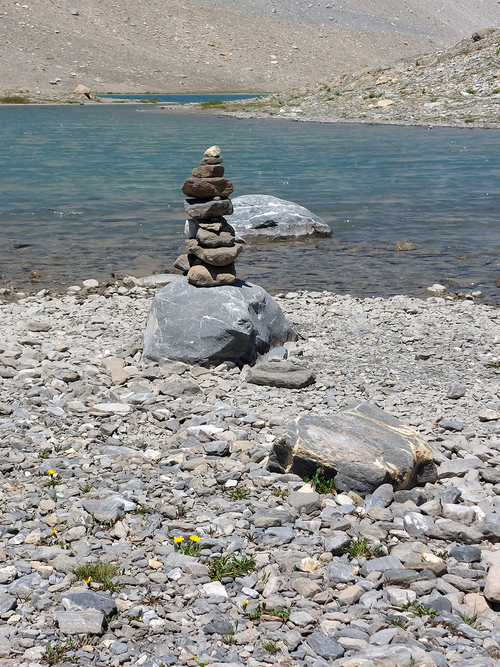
14,99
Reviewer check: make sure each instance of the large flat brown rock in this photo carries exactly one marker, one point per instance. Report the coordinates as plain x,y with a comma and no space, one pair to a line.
362,447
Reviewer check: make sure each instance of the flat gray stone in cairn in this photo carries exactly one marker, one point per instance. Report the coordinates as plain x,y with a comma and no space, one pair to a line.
363,447
212,245
228,323
264,216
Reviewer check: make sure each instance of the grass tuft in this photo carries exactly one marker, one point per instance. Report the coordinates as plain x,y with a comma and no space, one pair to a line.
321,482
230,566
360,546
14,99
101,573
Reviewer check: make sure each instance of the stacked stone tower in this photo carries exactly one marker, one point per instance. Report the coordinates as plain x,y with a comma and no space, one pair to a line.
212,245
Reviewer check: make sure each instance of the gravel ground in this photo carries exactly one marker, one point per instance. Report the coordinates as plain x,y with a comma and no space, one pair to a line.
108,461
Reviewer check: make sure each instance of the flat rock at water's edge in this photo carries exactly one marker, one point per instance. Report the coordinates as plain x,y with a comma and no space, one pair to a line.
362,445
227,323
275,219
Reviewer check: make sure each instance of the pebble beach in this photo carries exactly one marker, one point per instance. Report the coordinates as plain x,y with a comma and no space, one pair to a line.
139,524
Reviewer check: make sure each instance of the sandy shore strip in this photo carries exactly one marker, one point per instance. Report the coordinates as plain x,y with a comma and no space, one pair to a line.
140,526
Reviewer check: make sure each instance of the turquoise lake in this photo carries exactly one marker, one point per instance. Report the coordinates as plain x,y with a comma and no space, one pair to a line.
90,190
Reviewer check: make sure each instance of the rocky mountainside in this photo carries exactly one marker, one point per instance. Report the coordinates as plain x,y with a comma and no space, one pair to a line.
48,47
456,86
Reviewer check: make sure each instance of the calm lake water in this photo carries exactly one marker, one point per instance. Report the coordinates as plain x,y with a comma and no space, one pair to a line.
90,190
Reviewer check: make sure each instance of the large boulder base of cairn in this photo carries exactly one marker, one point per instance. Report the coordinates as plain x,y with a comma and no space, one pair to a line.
263,216
362,447
231,323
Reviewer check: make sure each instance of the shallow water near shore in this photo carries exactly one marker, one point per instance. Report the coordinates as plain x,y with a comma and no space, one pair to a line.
91,190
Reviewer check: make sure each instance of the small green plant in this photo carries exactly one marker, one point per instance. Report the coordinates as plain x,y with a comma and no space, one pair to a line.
228,638
280,612
181,511
238,493
418,609
52,481
191,548
142,510
469,120
56,653
423,91
150,599
231,566
87,487
322,482
271,647
14,99
412,662
360,546
211,104
200,663
372,96
471,91
44,454
281,493
397,621
494,364
495,91
473,619
433,99
143,445
101,573
404,87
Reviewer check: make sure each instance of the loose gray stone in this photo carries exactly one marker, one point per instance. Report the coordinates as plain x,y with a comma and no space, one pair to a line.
451,425
340,573
7,603
437,601
229,323
337,542
456,390
87,601
307,502
381,565
281,374
324,646
417,524
80,622
467,554
363,445
275,219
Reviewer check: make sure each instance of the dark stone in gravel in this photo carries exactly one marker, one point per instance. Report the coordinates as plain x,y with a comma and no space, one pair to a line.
89,601
451,425
438,602
7,602
281,374
324,646
340,573
467,554
219,627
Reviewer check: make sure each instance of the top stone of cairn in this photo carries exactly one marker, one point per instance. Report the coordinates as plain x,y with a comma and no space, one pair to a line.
213,151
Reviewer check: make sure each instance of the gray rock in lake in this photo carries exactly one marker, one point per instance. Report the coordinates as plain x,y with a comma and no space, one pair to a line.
363,445
228,323
275,219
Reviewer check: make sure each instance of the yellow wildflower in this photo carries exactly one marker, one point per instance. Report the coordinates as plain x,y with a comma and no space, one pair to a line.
51,472
178,540
53,531
194,538
87,581
244,604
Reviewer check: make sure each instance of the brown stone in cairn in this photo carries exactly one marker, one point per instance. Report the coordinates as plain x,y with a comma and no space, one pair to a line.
212,240
204,275
206,188
208,171
204,210
211,160
214,256
182,263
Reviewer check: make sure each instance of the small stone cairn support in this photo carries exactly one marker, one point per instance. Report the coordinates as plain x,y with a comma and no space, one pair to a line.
211,244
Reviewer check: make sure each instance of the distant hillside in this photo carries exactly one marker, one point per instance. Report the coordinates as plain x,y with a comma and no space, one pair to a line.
457,86
216,45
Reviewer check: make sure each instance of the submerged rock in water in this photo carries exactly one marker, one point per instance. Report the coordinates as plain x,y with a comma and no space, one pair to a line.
362,446
231,323
275,219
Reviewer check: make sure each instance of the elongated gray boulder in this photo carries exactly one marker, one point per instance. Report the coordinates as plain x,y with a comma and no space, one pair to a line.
229,323
361,447
263,216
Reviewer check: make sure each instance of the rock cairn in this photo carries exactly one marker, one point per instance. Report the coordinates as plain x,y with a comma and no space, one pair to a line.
211,244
